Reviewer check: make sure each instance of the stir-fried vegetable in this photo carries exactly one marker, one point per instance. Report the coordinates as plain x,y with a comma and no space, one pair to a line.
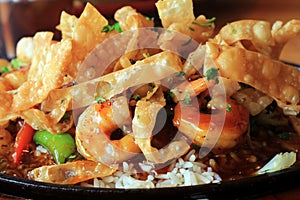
23,139
61,146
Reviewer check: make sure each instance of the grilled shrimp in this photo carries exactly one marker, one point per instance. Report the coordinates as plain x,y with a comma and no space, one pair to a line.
235,124
95,126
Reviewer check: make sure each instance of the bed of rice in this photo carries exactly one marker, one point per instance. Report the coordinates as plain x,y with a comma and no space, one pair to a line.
186,172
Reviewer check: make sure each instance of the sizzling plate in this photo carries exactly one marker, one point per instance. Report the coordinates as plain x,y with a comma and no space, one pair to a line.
246,188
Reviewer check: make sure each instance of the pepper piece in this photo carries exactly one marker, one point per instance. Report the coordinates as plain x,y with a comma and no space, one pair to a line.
60,146
23,139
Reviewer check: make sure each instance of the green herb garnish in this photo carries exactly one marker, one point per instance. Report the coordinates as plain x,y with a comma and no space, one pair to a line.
181,73
16,63
109,28
212,74
170,95
100,100
4,70
207,23
136,97
228,109
149,18
187,99
187,42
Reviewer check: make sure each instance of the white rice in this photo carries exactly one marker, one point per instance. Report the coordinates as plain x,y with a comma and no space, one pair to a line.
185,173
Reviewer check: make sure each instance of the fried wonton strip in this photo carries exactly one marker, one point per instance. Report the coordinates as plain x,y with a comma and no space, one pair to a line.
87,32
84,32
71,172
67,25
16,78
195,29
194,61
52,115
257,35
178,16
41,121
252,99
130,19
5,105
150,69
175,11
25,49
283,32
49,70
274,78
143,124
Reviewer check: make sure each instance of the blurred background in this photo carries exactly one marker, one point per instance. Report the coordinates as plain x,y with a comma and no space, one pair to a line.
21,18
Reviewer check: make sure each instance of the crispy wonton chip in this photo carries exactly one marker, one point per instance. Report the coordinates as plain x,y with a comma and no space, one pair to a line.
278,80
257,35
175,11
49,70
71,172
67,25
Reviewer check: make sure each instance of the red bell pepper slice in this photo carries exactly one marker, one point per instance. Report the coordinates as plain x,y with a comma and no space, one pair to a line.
23,139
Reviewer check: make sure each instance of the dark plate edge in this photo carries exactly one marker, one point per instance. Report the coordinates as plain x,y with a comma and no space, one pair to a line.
246,188
238,189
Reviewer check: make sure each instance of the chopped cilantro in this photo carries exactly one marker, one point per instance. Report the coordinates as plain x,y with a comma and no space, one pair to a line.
170,95
212,73
151,90
100,99
136,97
228,109
148,54
149,18
191,29
16,63
207,23
195,146
233,31
187,42
109,28
187,99
72,156
4,70
150,84
181,73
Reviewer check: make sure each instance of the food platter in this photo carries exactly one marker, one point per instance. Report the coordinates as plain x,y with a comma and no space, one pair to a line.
239,189
94,167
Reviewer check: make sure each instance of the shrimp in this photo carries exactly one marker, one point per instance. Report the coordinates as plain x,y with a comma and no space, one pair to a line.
71,172
235,124
143,124
94,128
